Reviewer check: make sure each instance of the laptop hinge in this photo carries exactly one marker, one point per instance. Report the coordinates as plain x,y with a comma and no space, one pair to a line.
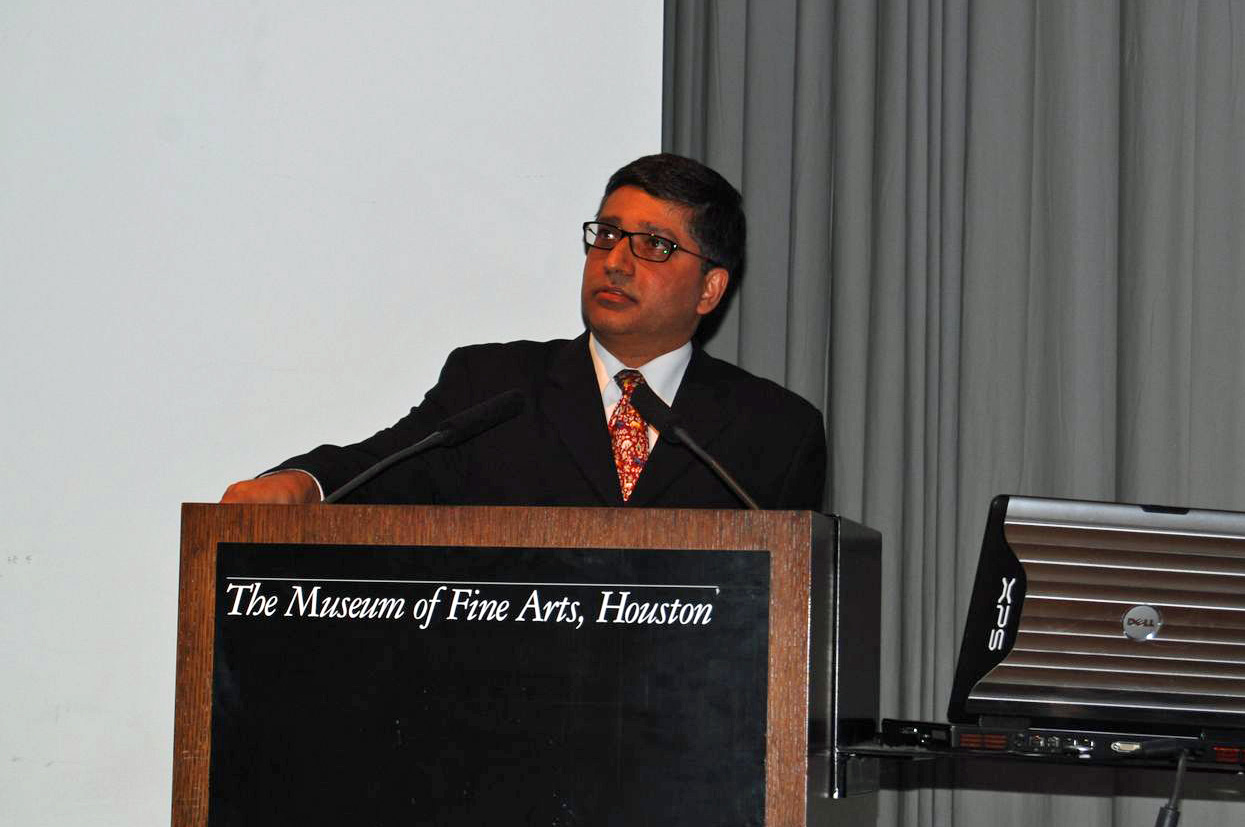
1002,722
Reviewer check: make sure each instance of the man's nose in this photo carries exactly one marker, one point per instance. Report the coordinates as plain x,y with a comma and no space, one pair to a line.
620,260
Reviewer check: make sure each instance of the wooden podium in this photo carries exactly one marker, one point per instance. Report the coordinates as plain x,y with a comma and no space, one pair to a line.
330,657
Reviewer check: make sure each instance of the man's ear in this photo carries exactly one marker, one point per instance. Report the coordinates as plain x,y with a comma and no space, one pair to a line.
713,288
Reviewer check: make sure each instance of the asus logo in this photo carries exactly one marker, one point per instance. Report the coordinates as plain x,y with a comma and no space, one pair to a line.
1004,606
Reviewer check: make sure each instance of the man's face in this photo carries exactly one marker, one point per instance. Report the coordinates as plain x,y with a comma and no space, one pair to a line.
640,309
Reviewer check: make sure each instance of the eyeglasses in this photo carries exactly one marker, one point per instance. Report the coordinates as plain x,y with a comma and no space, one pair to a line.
643,245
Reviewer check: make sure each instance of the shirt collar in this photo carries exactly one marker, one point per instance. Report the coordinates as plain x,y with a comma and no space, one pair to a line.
663,374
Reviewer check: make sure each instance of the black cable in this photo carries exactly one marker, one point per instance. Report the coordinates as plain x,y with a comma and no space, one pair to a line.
1169,814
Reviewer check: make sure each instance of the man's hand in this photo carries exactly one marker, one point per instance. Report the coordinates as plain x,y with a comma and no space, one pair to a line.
282,487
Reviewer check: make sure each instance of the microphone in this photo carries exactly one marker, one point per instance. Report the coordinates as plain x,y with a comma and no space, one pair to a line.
479,418
458,428
658,414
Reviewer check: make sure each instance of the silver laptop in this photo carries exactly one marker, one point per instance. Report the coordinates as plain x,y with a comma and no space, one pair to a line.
1105,616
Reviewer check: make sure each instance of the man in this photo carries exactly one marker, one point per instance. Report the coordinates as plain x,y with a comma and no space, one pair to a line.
667,240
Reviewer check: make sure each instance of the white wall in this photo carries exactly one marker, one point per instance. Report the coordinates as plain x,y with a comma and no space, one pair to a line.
229,231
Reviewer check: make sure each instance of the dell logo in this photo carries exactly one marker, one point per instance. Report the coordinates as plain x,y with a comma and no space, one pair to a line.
1003,608
1142,623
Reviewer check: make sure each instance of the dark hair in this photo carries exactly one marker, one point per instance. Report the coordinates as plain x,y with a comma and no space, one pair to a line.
717,225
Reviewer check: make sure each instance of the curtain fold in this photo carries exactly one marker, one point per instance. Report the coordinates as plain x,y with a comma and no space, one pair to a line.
999,244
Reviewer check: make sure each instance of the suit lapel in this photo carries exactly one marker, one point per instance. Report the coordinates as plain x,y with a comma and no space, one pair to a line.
572,403
703,405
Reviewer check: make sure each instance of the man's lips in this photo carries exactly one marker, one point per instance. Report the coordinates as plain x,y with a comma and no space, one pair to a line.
614,295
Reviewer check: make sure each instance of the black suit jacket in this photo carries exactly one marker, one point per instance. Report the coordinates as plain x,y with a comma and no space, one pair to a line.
557,450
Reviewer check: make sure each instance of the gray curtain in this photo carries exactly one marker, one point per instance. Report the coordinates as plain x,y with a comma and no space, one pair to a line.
1000,243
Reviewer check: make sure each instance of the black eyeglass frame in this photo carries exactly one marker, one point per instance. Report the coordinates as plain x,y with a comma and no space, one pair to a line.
674,245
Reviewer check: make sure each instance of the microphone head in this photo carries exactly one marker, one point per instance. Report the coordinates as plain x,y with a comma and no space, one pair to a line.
479,418
655,412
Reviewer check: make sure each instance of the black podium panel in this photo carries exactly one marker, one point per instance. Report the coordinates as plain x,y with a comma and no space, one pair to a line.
426,685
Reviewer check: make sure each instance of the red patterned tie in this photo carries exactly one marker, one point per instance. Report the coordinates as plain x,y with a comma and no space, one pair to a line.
629,433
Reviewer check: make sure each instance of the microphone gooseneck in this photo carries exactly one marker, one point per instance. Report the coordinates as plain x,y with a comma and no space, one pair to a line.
658,414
